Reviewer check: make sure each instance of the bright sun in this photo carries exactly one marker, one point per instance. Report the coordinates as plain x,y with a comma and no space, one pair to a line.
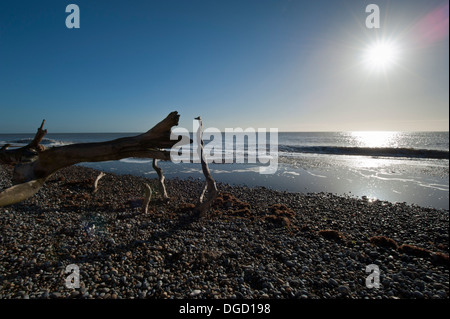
381,56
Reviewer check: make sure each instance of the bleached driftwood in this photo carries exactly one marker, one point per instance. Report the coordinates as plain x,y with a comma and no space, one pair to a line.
210,188
161,179
34,164
147,198
18,193
95,188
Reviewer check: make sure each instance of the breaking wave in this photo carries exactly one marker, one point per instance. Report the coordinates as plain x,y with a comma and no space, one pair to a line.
367,151
45,141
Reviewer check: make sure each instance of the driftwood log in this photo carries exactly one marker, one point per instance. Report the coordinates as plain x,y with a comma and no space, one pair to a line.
34,164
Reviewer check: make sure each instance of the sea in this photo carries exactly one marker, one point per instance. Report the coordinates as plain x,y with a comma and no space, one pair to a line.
399,167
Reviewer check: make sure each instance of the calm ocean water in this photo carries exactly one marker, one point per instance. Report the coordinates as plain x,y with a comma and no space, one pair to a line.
407,167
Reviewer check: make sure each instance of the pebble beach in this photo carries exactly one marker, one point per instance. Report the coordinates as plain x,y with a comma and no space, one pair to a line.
255,243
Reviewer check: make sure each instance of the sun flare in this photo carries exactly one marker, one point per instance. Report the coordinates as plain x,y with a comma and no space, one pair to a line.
381,56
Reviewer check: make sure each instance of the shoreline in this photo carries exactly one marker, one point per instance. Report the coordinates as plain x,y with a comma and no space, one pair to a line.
256,243
396,182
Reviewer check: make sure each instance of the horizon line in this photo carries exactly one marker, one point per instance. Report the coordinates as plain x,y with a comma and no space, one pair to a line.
223,131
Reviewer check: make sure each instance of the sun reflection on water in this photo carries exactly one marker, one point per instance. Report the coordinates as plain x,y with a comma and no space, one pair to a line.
376,138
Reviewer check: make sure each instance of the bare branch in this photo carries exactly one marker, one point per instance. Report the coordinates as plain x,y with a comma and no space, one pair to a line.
95,189
36,142
210,187
162,187
147,197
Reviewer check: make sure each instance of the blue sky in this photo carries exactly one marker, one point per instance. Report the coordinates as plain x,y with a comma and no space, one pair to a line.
293,65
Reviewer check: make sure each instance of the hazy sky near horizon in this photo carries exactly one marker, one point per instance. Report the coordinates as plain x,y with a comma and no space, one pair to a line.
293,65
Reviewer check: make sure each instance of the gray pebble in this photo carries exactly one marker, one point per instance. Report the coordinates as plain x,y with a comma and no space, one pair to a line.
333,282
195,293
418,294
343,289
